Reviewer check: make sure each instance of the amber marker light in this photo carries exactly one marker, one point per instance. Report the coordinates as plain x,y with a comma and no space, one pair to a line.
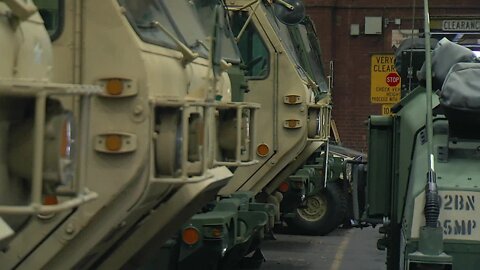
50,200
292,99
114,87
190,236
284,187
292,123
113,142
217,232
262,150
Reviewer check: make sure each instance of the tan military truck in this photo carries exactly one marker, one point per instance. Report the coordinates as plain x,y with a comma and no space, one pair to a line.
155,156
294,120
290,117
40,157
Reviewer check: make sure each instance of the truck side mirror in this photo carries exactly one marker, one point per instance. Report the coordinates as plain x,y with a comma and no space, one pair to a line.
289,12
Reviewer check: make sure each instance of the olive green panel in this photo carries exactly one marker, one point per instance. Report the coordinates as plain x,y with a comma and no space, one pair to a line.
379,165
412,120
238,83
240,220
456,171
465,255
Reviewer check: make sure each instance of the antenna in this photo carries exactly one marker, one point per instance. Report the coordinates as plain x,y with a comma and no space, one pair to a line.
410,68
432,204
430,243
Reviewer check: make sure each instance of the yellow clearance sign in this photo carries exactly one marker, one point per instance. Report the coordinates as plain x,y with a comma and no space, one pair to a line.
385,81
387,109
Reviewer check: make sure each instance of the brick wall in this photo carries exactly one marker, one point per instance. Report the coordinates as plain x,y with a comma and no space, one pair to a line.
351,54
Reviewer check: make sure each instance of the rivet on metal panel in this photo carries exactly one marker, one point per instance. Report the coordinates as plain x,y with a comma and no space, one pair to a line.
138,110
70,228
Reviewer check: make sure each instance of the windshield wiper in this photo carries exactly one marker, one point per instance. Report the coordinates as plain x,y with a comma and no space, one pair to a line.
244,27
188,54
200,43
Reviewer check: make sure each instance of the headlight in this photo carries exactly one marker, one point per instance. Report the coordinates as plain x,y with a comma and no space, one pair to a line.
168,144
319,122
59,149
179,144
229,123
59,163
314,122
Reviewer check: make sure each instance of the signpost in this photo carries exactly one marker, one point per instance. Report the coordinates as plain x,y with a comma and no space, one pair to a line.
385,82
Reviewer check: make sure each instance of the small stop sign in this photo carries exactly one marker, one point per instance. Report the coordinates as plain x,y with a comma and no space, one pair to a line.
393,79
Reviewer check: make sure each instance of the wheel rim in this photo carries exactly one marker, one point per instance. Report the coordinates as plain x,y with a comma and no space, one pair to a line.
315,208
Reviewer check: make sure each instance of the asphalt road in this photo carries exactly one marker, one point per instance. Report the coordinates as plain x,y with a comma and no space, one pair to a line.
343,249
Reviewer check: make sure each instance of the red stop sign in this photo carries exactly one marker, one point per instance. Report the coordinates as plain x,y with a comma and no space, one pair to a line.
393,79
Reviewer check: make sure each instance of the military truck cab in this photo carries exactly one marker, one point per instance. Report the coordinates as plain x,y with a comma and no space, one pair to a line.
291,117
276,80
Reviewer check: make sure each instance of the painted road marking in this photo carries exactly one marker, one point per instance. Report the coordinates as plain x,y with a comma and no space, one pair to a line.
337,260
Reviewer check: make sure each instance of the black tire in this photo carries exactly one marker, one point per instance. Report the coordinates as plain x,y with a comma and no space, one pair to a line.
347,219
313,220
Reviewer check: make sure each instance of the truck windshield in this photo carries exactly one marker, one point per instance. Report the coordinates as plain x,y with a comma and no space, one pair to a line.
206,10
179,17
52,12
312,55
282,31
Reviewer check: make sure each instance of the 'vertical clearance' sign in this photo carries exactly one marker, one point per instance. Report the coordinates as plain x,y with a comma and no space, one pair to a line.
385,81
461,25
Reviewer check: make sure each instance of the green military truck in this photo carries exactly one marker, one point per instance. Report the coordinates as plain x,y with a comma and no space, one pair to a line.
420,183
317,201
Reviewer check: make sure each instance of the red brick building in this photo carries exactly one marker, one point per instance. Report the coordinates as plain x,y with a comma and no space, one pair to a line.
351,53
